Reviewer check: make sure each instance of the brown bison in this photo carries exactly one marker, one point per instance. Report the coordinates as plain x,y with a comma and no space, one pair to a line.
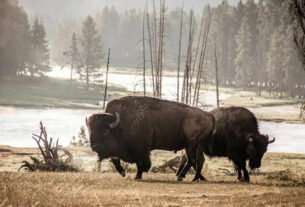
131,127
236,136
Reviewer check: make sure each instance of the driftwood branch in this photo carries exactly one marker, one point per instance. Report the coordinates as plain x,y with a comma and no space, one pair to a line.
51,159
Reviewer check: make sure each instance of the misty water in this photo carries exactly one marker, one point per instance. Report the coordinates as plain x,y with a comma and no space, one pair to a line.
18,124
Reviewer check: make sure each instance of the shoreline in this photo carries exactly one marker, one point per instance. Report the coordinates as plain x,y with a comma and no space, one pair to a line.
260,117
9,148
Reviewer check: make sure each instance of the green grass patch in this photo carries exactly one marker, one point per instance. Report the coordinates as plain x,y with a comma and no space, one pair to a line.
51,92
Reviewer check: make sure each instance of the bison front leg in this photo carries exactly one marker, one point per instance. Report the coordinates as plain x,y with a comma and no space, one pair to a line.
246,175
241,166
117,164
143,165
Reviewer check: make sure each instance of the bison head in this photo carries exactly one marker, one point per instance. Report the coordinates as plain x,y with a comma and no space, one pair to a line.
257,146
102,128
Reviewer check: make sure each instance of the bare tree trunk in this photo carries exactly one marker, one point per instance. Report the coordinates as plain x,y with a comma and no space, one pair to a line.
179,55
216,76
201,61
155,48
106,84
198,45
185,88
151,53
71,75
87,76
144,66
162,18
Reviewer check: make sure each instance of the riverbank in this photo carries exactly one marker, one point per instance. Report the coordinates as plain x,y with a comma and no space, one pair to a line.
265,107
282,184
54,93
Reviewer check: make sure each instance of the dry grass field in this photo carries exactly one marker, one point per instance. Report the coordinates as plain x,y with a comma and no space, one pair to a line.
283,185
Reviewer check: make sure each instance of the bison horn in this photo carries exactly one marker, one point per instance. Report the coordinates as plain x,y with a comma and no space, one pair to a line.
271,141
116,121
250,139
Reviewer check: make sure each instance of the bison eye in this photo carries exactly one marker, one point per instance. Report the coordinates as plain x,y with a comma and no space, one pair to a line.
105,132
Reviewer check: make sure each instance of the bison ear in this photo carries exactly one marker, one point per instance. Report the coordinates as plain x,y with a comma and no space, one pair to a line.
86,121
250,148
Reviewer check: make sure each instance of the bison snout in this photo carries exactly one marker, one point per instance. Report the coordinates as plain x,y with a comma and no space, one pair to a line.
255,165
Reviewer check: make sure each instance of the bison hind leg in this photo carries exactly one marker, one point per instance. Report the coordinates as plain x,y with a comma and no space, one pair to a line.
146,165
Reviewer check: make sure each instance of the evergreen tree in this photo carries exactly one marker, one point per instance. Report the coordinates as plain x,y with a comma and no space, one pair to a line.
275,64
73,54
108,24
92,51
14,39
223,21
39,61
82,138
261,48
244,61
60,40
251,12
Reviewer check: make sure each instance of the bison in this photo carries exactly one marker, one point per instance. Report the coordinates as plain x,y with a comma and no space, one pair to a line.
131,127
237,137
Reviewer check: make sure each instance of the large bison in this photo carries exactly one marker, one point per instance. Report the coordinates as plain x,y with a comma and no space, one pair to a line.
237,137
131,127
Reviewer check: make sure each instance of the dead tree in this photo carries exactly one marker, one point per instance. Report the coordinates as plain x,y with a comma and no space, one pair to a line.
160,43
52,161
201,61
188,63
144,60
172,164
106,84
151,52
216,76
179,55
156,45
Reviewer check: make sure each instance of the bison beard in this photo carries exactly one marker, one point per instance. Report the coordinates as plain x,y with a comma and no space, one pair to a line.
235,136
131,127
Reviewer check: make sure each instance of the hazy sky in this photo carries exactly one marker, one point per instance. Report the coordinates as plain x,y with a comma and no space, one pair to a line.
85,7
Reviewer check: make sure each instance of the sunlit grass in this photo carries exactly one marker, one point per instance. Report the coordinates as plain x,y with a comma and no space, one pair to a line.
89,188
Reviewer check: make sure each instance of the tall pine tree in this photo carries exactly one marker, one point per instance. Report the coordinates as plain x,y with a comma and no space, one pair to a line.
244,60
39,61
92,51
275,64
73,54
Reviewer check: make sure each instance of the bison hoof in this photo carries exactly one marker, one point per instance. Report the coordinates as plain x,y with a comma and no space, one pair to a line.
179,179
243,180
201,178
123,173
138,178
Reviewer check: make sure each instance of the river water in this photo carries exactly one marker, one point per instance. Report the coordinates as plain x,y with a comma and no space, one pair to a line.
17,124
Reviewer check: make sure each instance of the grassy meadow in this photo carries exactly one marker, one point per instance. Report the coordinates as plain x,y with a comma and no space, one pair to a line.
52,92
283,183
